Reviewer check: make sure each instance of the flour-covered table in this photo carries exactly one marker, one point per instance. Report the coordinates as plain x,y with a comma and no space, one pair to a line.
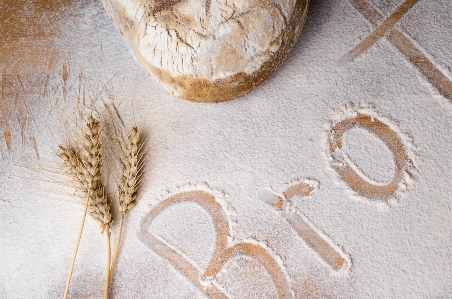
331,180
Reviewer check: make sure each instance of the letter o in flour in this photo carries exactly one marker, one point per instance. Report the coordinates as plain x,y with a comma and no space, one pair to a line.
392,139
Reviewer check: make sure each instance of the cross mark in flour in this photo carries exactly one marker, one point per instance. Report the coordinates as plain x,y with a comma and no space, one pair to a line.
386,28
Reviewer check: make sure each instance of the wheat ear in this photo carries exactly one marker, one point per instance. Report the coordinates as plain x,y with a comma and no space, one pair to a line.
129,181
131,168
86,173
99,207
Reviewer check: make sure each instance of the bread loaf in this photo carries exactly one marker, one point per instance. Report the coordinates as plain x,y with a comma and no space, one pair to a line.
209,50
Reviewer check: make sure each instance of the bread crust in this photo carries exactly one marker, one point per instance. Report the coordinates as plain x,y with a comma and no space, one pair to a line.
195,86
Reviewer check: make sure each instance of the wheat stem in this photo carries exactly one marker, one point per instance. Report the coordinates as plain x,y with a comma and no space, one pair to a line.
85,169
118,243
68,282
128,185
107,276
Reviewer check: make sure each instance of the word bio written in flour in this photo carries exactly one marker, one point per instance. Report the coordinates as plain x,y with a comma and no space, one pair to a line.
227,248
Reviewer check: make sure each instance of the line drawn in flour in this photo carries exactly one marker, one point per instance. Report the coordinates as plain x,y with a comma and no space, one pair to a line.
225,248
14,113
314,238
8,139
386,28
365,117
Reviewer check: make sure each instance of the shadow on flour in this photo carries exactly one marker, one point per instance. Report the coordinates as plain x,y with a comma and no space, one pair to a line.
318,14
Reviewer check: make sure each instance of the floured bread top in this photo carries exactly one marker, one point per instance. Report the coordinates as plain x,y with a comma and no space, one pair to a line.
181,42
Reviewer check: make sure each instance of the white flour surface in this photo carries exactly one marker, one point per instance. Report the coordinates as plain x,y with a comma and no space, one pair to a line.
393,246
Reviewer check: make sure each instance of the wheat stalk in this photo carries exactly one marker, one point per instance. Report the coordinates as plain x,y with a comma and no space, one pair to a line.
86,173
129,181
132,163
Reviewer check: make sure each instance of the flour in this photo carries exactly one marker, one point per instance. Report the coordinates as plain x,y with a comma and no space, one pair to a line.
246,153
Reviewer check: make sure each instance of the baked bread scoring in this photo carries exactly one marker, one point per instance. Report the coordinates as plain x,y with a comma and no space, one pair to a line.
209,50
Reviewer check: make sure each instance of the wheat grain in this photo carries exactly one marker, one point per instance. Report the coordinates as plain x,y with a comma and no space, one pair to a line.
86,172
130,173
74,167
132,163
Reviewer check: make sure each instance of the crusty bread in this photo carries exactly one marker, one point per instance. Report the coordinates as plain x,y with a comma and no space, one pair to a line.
209,50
